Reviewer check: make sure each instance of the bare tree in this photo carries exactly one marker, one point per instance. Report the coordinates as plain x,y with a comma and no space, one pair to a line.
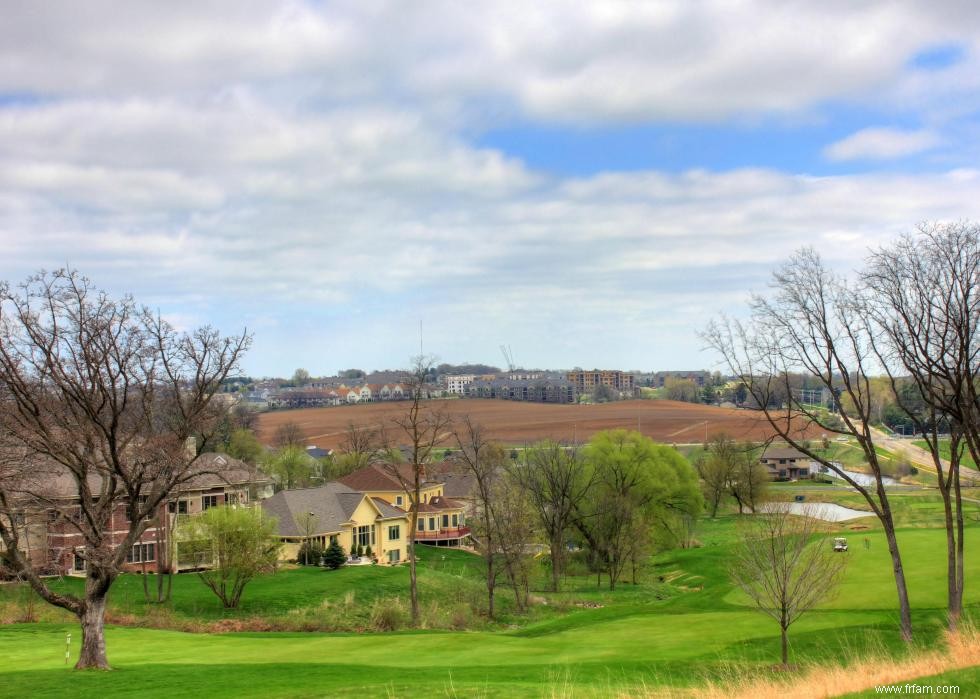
424,427
556,480
812,325
922,297
100,396
514,527
785,568
289,434
360,448
483,460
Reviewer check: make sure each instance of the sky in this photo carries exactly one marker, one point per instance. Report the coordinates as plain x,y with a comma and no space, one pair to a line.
586,182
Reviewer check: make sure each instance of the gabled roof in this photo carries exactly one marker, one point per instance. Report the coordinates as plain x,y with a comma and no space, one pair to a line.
439,503
328,506
380,477
209,470
457,485
387,509
784,453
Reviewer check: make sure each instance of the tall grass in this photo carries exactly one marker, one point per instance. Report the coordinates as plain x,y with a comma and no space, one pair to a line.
961,650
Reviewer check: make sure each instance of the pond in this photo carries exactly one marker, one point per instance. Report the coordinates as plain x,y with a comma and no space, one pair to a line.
826,511
863,479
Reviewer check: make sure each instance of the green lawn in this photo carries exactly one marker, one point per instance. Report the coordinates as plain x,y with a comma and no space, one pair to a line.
966,459
636,639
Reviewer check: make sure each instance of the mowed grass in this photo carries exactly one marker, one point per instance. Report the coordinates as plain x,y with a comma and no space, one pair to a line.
635,640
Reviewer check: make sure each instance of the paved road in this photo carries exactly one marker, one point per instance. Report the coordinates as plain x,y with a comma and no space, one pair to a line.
919,457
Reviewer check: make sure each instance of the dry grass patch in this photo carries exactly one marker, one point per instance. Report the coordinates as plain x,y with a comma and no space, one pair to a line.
962,650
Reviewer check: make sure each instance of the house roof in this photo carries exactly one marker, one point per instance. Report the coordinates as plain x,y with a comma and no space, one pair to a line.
330,505
380,477
457,485
387,509
440,503
211,470
784,453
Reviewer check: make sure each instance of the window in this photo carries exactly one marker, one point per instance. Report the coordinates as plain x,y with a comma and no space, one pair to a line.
421,524
455,520
364,536
141,553
179,507
333,538
445,521
394,533
398,499
231,498
394,556
432,523
79,562
209,501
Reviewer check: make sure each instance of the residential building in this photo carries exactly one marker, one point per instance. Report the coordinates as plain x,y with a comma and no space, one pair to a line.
699,377
785,463
457,384
547,390
441,520
586,381
335,512
56,544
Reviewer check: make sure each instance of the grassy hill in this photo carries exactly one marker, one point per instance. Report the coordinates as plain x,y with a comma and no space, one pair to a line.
683,625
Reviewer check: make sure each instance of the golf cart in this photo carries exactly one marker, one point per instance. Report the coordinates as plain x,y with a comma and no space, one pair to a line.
840,544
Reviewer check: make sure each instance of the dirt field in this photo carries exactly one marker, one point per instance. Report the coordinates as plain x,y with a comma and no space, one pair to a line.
515,422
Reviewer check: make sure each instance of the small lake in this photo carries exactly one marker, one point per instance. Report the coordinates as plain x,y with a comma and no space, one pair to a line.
826,511
863,479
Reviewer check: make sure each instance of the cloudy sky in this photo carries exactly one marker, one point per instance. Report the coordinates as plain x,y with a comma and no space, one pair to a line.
587,182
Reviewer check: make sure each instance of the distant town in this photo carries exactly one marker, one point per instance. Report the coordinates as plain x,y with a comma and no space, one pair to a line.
489,382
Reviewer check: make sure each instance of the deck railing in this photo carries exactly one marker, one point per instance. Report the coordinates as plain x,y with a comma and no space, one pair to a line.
446,533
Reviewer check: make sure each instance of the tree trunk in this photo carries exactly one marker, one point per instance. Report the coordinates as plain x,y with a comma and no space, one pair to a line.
556,552
491,580
92,619
951,566
955,613
904,611
785,646
413,579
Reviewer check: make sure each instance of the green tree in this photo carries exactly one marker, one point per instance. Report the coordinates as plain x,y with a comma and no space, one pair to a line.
301,377
637,482
238,542
334,557
292,467
244,445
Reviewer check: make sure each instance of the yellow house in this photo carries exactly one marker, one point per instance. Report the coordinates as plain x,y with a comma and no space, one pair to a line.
441,520
336,512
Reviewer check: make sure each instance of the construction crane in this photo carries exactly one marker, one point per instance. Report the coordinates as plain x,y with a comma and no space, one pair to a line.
508,356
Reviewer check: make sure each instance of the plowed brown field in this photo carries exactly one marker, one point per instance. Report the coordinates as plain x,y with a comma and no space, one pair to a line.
515,422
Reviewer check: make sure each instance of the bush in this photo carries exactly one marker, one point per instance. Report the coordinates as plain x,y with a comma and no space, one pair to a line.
368,552
353,550
334,557
387,615
309,554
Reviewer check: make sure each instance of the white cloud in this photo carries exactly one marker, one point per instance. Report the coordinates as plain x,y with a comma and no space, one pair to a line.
578,62
306,168
882,144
